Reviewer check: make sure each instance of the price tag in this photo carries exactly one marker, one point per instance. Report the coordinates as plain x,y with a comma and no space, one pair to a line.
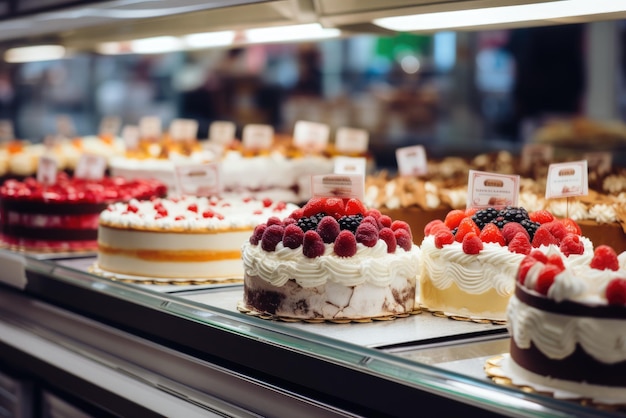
47,170
198,179
222,132
183,129
567,179
351,141
130,135
533,154
338,185
6,131
411,161
257,136
90,167
110,126
600,162
350,165
65,126
311,136
150,128
486,189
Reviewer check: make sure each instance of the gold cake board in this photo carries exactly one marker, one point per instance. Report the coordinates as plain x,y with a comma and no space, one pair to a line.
162,281
441,314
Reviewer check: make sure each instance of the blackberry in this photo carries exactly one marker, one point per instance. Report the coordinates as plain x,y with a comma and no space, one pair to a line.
454,231
484,216
499,221
350,222
513,214
530,227
308,224
319,216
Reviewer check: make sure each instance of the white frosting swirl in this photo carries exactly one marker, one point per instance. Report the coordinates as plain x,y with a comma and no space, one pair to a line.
603,213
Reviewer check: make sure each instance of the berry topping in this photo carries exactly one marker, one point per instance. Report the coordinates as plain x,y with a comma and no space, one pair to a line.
328,229
354,207
524,266
345,244
297,214
546,278
208,213
192,207
312,245
557,229
387,235
541,216
350,222
510,229
267,202
257,234
310,223
571,244
314,206
334,207
271,237
484,216
293,236
543,236
520,244
604,257
432,227
471,243
571,226
288,221
492,233
443,237
539,256
373,212
370,220
616,292
384,222
274,220
367,234
556,260
403,238
395,225
466,226
132,208
454,218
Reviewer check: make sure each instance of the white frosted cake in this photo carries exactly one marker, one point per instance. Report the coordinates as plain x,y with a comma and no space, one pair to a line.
331,260
190,237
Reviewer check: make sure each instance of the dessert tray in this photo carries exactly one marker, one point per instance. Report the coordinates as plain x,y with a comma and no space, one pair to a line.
128,278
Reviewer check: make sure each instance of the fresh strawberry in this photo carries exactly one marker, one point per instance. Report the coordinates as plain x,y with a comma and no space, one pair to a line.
557,229
571,244
543,236
373,212
471,243
443,237
297,214
328,228
454,218
525,265
541,216
314,206
257,234
312,245
556,260
491,233
403,238
384,222
387,235
345,244
616,292
354,206
520,244
571,226
509,230
539,256
431,227
471,211
271,237
546,278
604,257
274,220
367,234
334,207
293,236
467,225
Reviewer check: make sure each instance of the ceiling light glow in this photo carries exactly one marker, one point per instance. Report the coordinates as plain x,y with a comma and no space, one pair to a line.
34,53
209,39
290,33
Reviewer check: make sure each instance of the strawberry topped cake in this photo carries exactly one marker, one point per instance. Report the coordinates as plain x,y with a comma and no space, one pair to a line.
470,259
331,260
568,326
63,216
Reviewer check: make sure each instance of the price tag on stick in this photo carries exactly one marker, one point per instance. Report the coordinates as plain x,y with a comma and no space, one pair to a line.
222,132
486,189
47,170
350,165
311,136
257,136
338,185
198,179
567,179
91,167
351,141
411,161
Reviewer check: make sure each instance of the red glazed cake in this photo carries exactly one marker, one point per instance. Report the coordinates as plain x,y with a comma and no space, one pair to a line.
63,216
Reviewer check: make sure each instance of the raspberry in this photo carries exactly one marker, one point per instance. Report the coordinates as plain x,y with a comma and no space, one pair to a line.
520,244
539,256
384,222
556,260
354,207
373,212
280,206
312,245
525,265
328,229
557,229
192,207
433,227
334,207
443,237
257,234
403,238
471,243
546,278
208,213
274,220
132,208
367,234
604,257
492,233
571,244
543,236
267,202
571,226
542,216
289,221
511,229
271,237
297,214
345,244
370,220
397,224
293,236
387,235
616,292
454,218
313,206
466,226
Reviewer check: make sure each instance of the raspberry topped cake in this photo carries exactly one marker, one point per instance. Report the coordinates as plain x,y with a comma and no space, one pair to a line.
568,326
63,216
469,259
181,238
331,260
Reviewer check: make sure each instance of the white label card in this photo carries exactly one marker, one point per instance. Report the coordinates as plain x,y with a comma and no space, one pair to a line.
536,154
567,179
257,136
130,135
338,185
199,179
311,136
486,189
150,128
222,132
411,161
350,165
110,125
351,140
47,170
183,129
601,162
91,167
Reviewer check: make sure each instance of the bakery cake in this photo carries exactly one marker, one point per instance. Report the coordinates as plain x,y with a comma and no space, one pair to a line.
63,216
331,260
568,326
469,259
181,238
